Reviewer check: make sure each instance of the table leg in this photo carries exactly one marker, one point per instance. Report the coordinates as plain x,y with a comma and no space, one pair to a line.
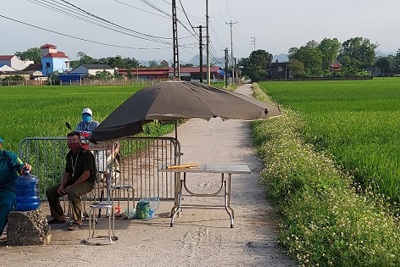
178,197
227,188
229,181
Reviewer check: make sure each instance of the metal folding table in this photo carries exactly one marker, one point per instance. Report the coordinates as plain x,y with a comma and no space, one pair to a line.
226,172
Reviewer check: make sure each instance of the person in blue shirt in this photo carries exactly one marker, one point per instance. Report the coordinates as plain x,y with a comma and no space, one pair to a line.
10,167
87,124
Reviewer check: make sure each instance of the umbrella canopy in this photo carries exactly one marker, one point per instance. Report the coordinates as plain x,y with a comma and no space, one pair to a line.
174,100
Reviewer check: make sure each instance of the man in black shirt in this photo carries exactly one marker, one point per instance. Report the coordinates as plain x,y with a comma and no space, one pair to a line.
78,179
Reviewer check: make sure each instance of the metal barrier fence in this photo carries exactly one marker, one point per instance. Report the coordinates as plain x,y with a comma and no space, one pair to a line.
138,165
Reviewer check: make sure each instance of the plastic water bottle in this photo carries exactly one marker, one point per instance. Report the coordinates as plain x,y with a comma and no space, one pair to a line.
27,190
154,204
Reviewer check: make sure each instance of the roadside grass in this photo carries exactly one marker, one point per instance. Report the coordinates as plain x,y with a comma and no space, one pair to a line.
41,111
324,221
356,121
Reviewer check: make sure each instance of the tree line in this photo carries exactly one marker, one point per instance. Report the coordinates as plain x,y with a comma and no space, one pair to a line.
354,56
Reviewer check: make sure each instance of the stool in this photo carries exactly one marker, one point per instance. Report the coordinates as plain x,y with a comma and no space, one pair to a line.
92,223
126,187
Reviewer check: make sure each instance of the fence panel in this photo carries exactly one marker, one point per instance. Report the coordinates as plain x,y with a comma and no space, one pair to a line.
140,160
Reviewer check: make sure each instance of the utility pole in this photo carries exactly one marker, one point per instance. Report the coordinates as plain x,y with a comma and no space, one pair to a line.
177,71
208,45
201,52
226,67
253,42
232,59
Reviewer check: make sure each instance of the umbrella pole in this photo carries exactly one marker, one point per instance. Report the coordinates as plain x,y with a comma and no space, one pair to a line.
176,129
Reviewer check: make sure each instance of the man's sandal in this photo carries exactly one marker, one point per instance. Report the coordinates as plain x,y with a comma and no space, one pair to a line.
74,226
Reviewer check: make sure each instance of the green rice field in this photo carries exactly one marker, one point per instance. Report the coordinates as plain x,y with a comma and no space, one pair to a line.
41,111
358,122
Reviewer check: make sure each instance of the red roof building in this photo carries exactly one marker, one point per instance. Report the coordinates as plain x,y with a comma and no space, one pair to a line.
335,67
187,73
6,57
58,54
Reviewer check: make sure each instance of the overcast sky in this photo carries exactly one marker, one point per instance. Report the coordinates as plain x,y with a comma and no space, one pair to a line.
275,25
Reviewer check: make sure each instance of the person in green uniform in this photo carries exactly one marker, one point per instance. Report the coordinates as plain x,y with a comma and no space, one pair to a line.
10,167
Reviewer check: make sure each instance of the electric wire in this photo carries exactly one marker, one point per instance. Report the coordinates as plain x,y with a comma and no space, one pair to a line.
166,15
112,23
69,9
155,14
70,12
79,38
187,18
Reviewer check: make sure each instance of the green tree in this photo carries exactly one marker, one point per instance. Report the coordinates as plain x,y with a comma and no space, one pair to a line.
384,64
357,54
153,64
83,59
296,68
255,67
310,56
312,44
131,62
396,62
116,62
330,49
104,75
31,54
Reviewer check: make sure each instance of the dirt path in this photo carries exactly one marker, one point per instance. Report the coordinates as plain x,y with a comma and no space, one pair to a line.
200,237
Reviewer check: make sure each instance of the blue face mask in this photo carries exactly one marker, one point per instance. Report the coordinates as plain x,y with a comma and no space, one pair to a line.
86,118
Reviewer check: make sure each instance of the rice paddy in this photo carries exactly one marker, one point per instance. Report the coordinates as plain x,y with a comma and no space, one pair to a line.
356,121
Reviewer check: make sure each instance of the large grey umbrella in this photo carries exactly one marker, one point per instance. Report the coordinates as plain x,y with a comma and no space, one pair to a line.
174,100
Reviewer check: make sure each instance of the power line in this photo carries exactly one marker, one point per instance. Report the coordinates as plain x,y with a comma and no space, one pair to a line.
186,16
155,7
70,12
66,10
112,23
80,38
123,3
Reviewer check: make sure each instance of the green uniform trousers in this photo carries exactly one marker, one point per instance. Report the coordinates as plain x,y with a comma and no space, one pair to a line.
74,197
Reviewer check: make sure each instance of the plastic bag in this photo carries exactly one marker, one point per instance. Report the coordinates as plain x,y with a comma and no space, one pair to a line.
146,207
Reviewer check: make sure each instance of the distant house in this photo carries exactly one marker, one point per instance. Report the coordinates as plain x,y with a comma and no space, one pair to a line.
34,67
13,62
92,69
146,73
335,67
27,75
53,60
279,70
164,64
187,73
6,68
193,73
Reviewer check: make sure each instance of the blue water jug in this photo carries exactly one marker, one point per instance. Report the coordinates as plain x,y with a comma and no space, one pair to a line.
27,190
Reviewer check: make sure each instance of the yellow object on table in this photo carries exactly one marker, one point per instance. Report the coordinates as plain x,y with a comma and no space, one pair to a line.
183,166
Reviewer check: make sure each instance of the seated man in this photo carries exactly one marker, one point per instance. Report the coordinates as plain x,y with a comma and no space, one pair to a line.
78,179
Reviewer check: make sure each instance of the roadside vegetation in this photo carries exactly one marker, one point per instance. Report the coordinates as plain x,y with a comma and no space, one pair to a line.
327,219
356,121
